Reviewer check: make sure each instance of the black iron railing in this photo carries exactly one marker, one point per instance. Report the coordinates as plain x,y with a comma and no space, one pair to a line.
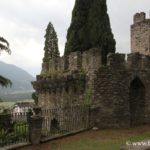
65,120
14,128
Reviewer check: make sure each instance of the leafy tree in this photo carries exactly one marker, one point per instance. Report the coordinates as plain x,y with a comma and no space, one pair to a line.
4,45
4,82
90,28
51,44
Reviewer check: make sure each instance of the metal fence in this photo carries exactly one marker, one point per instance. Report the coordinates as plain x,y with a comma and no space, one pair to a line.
13,129
61,121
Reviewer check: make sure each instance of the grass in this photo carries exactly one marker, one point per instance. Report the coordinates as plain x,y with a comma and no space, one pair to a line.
108,139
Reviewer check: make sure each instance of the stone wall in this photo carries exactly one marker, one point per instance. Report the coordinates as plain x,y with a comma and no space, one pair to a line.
117,92
139,17
140,34
111,94
108,89
61,91
116,105
88,61
69,80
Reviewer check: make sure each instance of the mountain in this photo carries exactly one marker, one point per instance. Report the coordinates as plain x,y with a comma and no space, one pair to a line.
21,87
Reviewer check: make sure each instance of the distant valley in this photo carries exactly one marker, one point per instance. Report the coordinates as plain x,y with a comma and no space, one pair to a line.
21,88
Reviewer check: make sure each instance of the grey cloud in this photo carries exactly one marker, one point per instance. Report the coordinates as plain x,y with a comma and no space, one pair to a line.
30,18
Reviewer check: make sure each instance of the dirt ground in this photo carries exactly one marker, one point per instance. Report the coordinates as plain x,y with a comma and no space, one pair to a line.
103,135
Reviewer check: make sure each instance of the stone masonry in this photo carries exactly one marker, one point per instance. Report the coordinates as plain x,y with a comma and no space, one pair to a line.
140,34
118,92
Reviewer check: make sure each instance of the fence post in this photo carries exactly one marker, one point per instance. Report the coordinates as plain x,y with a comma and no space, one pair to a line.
35,126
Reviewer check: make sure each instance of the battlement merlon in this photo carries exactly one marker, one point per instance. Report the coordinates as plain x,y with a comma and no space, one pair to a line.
134,61
139,17
138,61
116,60
88,60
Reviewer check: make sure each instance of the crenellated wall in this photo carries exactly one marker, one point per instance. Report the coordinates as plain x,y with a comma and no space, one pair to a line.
60,91
118,92
118,89
135,61
88,60
80,78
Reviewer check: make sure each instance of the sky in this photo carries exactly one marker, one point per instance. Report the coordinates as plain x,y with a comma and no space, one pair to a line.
23,24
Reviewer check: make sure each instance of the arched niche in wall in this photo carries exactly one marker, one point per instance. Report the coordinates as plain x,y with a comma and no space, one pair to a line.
136,102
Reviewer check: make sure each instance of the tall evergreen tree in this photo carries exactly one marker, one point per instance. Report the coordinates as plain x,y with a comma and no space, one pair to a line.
90,28
77,37
51,44
4,45
100,33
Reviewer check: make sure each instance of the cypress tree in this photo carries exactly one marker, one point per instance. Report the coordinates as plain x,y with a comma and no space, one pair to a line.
51,44
90,28
77,36
100,33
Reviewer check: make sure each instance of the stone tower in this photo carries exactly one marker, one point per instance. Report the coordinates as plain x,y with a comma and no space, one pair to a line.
140,34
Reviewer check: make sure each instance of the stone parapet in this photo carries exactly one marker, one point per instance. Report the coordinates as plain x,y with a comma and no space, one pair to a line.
54,84
87,60
91,59
138,61
116,60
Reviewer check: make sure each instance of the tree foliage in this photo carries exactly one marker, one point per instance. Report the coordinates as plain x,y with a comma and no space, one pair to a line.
35,97
51,44
4,45
4,82
90,28
77,36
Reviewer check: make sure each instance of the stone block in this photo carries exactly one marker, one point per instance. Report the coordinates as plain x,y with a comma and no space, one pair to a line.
75,61
116,60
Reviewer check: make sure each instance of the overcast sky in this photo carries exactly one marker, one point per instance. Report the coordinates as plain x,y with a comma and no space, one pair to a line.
23,24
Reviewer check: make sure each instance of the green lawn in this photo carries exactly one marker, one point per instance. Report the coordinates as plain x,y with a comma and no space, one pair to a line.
89,143
110,139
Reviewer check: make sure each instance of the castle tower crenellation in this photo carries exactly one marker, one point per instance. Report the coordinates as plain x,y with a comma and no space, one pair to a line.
139,17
